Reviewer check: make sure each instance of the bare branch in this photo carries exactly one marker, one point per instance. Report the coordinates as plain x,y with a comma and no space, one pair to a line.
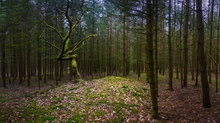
51,27
53,45
78,45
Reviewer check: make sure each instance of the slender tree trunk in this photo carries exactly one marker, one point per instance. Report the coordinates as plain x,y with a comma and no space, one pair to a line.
217,53
150,59
176,43
193,67
204,80
127,57
185,43
20,65
29,63
3,62
124,46
210,43
57,72
170,52
39,65
180,48
155,45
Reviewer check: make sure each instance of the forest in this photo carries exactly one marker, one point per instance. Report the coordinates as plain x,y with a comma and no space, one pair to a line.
112,61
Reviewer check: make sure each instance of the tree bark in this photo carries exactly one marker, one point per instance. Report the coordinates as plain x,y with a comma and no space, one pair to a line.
3,62
150,59
185,43
210,43
203,71
170,85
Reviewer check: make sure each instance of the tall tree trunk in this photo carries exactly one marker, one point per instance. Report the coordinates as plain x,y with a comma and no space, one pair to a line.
210,43
203,71
185,43
29,62
180,48
150,58
217,53
194,44
155,44
176,43
170,52
124,46
3,61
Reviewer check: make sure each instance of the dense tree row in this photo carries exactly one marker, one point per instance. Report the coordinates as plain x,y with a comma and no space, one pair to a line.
133,37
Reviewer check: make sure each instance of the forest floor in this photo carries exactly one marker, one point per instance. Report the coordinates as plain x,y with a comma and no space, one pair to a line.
110,99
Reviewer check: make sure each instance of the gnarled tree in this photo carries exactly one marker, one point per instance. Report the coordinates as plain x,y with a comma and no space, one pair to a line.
67,52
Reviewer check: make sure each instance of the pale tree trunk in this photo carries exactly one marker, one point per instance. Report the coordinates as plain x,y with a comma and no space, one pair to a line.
203,71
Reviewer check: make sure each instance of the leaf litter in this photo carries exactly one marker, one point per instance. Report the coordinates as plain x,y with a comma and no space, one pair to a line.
109,99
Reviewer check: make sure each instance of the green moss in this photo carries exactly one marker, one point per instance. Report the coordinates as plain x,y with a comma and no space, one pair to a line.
77,118
136,94
75,88
114,79
27,95
161,77
145,89
54,107
36,111
56,99
103,101
126,88
134,111
99,113
4,100
48,118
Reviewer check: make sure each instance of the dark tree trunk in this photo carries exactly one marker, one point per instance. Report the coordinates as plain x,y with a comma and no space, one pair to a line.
170,84
203,71
3,62
150,59
185,43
